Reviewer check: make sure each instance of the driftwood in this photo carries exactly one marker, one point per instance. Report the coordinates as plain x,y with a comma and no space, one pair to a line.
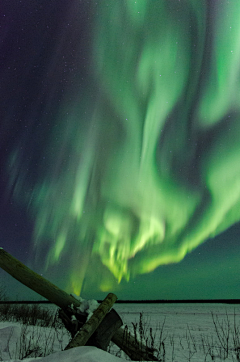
106,330
75,320
63,300
35,281
92,324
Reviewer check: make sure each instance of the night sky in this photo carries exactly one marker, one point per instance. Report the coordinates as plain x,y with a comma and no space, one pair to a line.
120,146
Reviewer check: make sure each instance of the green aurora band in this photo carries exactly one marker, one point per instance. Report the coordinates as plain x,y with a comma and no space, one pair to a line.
151,170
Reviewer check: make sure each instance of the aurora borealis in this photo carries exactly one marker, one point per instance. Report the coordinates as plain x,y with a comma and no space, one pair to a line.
120,140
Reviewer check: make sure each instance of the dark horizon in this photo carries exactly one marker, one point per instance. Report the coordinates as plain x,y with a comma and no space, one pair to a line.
143,301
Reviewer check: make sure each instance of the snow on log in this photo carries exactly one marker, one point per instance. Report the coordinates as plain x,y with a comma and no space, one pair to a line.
92,324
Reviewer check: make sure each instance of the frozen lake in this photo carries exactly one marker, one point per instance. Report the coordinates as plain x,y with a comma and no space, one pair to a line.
177,316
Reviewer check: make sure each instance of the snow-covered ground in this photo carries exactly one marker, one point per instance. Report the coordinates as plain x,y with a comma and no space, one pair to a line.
189,332
183,332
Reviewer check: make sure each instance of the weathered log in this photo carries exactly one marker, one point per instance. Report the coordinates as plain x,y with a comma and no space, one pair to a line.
91,325
105,331
35,281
